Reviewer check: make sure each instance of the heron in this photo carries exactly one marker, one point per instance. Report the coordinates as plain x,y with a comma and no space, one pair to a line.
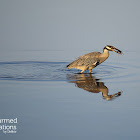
93,59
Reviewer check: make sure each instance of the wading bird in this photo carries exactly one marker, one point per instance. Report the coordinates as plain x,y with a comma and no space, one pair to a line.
93,59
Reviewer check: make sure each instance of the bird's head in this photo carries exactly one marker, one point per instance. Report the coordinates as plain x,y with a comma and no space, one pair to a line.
112,48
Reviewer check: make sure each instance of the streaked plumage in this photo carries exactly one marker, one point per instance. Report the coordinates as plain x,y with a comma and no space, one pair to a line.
93,59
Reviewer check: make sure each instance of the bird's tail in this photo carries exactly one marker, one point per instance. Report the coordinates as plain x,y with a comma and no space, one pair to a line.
68,66
73,64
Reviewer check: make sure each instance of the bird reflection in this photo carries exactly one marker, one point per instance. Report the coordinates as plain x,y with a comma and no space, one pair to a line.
90,84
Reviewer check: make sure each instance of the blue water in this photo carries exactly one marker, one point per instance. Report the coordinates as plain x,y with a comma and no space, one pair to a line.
52,102
56,71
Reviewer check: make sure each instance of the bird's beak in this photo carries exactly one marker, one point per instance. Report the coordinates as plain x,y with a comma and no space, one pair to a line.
117,50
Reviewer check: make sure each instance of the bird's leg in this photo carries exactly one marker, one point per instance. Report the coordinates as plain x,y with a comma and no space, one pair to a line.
90,71
82,71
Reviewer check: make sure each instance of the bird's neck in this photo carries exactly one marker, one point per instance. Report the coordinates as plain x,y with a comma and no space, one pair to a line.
105,53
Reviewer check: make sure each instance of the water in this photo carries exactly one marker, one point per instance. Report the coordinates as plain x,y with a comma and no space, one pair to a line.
52,102
56,71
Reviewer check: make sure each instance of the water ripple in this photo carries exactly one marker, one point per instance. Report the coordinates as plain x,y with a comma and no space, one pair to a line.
56,71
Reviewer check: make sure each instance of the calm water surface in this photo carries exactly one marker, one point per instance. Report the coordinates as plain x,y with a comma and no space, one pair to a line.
54,103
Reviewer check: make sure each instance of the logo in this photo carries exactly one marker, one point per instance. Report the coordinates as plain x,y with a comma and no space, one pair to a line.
8,125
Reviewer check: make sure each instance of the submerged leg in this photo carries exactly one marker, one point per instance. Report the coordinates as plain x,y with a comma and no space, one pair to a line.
82,71
90,70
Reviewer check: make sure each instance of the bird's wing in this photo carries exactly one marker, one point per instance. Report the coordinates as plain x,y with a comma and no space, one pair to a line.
90,58
86,60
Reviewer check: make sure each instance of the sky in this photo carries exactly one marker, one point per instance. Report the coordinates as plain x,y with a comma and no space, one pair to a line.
69,25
